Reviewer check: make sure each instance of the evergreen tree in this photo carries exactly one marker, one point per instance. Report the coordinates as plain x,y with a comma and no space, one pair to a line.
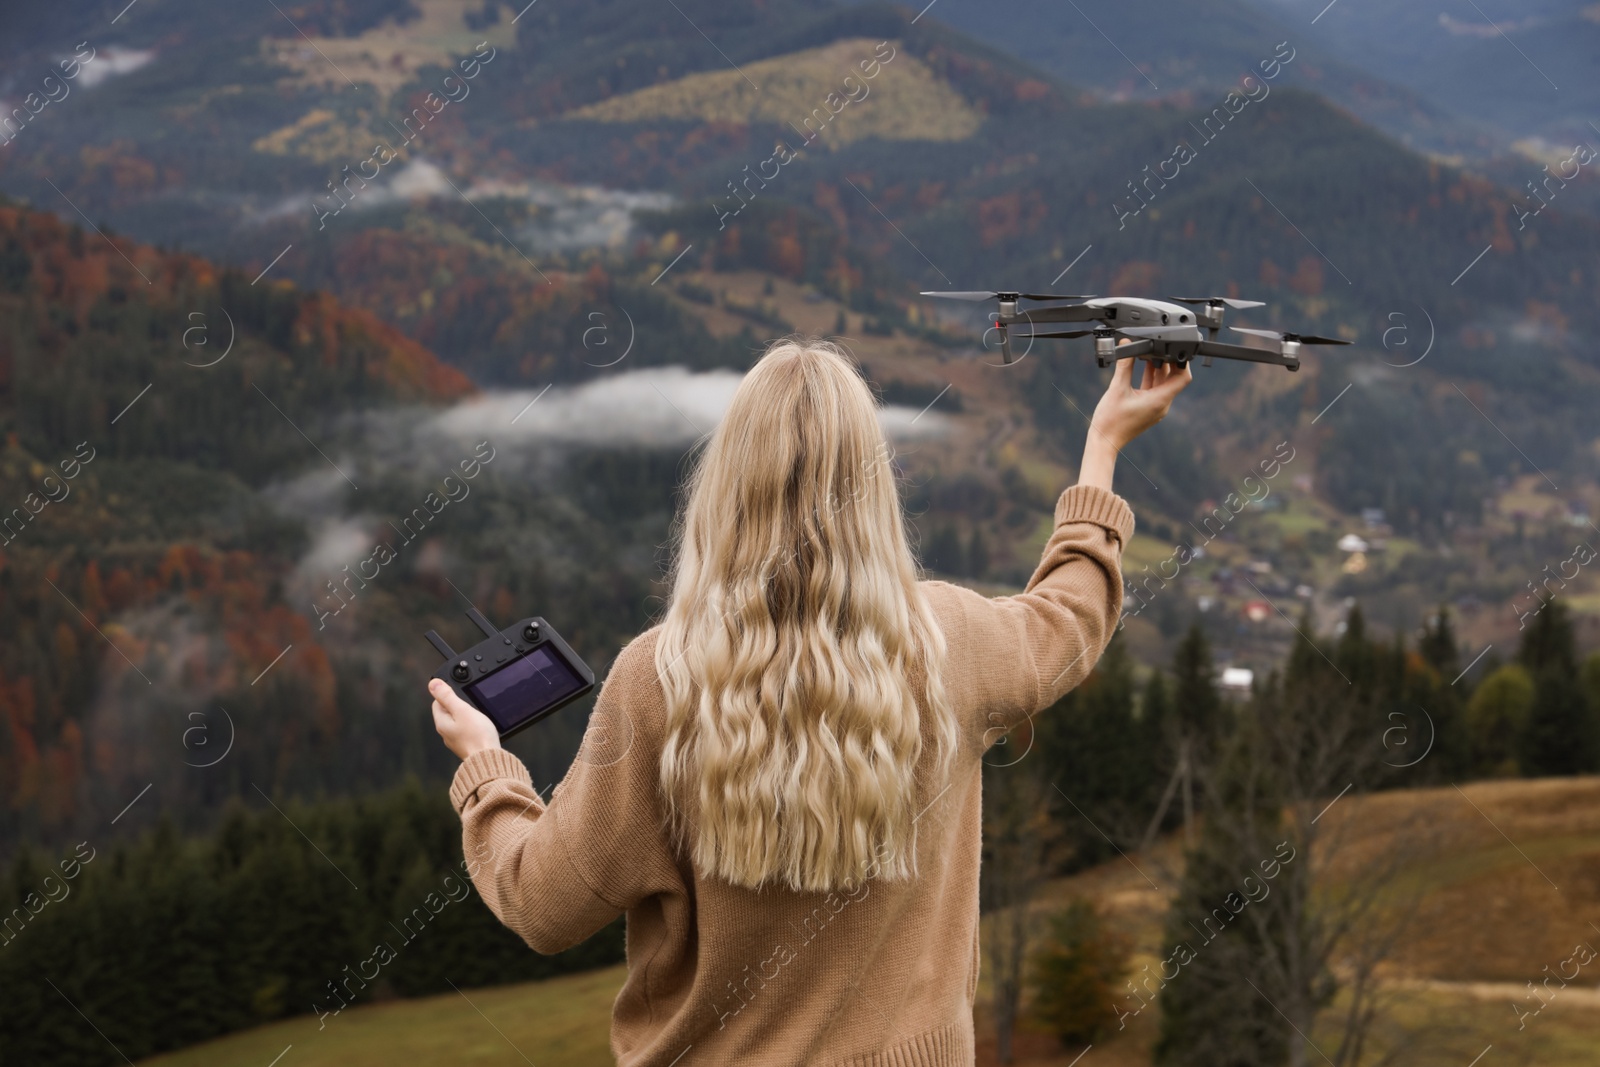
1196,721
1212,1010
977,555
1355,656
1561,734
1438,645
172,941
943,554
1155,719
1436,693
1077,972
1196,705
1093,749
1549,641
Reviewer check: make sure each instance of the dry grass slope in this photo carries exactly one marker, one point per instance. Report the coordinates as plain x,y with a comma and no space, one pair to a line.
388,55
904,102
1514,887
563,1022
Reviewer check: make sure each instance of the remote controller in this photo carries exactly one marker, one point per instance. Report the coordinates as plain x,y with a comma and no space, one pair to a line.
516,676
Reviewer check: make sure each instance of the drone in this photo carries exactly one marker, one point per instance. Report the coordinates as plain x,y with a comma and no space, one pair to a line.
1161,331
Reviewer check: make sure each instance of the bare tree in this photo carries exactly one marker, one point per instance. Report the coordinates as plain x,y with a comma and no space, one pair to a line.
1020,842
1308,903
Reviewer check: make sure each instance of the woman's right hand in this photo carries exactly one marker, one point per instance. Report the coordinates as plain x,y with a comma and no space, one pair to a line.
1125,412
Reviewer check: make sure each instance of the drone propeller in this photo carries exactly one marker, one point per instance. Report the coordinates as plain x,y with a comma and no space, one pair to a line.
1305,339
1066,333
1228,300
974,294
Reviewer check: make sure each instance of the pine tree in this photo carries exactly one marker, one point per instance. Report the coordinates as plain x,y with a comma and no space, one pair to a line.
977,555
1155,715
943,554
1438,645
1355,656
1562,734
1197,708
1444,703
1077,974
1018,840
1549,641
1212,1010
1196,721
1093,748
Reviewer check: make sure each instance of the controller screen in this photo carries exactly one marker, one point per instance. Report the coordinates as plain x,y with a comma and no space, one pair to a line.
520,689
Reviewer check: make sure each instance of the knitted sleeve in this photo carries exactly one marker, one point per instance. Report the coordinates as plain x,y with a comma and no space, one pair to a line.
557,872
1020,654
517,858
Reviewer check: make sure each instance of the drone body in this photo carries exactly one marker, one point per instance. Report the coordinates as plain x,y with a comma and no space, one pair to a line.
1167,331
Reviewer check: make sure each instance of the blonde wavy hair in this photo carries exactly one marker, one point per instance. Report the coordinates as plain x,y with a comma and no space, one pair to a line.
794,638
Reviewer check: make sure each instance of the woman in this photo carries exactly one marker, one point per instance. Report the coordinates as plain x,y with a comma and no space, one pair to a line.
780,783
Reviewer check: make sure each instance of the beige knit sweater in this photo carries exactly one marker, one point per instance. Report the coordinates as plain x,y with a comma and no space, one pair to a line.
881,977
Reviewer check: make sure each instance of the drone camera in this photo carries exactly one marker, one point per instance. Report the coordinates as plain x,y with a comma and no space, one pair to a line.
1105,347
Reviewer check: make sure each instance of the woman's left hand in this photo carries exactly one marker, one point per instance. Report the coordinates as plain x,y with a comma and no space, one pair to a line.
465,729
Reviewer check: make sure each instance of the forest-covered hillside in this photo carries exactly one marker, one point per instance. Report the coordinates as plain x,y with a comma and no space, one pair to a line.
178,606
550,182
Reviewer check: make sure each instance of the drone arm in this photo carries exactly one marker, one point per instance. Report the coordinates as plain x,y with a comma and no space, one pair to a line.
1057,314
1251,355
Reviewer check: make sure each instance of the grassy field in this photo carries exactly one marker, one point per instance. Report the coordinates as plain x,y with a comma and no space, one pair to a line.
1512,882
562,1022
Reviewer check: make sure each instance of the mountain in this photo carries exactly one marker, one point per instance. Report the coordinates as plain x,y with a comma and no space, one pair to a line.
176,547
1153,49
408,201
1527,69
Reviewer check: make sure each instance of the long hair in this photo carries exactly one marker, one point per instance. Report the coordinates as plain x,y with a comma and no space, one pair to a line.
794,639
